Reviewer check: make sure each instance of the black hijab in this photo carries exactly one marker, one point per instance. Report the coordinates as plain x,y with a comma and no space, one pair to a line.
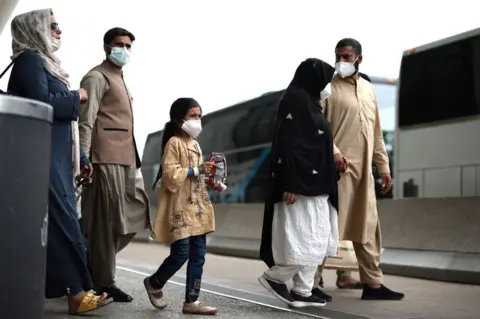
313,75
302,148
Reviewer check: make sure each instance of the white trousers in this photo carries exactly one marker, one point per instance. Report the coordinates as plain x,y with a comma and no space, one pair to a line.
303,277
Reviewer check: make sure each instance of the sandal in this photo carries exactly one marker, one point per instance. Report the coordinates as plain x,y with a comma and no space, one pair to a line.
90,302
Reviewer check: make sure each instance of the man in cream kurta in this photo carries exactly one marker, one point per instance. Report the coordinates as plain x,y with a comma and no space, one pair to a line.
352,112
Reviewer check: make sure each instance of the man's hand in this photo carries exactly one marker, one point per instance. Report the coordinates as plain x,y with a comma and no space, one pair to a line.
386,183
289,198
341,162
85,174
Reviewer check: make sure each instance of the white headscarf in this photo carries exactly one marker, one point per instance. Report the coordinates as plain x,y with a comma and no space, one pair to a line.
31,31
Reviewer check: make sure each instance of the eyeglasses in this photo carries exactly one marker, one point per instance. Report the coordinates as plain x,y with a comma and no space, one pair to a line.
54,26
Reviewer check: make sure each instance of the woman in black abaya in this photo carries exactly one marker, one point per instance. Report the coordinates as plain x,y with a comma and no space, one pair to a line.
300,224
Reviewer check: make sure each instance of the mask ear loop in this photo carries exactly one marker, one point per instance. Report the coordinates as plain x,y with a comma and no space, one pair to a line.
357,69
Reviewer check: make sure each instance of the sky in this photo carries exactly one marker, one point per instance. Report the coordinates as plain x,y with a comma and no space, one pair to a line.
222,52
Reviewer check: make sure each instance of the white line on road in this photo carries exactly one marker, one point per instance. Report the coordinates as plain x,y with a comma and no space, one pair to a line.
141,273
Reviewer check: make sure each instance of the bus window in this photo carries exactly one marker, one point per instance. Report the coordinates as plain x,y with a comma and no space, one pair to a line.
386,96
440,83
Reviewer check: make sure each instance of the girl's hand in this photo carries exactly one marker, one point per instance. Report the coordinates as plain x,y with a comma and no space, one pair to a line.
207,168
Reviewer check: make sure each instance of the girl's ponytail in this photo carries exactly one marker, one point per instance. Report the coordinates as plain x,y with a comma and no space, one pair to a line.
168,132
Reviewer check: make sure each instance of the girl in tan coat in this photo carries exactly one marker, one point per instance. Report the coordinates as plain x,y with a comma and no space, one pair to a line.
184,214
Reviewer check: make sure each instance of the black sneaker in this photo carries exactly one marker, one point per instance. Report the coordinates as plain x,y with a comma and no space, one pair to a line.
320,294
278,290
382,293
312,301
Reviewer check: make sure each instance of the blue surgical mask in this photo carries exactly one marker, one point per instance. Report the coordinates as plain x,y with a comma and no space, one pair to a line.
119,56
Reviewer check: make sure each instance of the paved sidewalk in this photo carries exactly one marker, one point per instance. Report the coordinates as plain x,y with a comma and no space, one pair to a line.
141,308
424,299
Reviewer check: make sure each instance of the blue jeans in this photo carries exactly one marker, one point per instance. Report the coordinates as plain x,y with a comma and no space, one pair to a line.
192,249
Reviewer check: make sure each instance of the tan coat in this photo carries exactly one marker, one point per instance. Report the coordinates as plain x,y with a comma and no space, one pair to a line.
352,111
184,207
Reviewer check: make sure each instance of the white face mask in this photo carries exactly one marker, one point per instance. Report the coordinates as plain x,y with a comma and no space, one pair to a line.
56,43
326,92
192,127
345,69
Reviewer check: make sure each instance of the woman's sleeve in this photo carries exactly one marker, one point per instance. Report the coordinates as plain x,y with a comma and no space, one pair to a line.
83,159
173,174
31,76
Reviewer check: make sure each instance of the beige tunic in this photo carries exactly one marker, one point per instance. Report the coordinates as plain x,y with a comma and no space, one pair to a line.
184,207
116,188
352,111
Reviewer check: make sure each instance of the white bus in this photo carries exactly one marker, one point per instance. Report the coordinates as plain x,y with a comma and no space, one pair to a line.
437,151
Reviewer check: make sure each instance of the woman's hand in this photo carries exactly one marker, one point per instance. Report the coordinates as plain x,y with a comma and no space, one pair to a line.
83,95
289,198
341,162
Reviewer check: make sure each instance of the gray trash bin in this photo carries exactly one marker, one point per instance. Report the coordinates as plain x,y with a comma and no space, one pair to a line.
25,141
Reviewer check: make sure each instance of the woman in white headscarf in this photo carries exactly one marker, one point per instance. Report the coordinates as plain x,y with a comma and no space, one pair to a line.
38,75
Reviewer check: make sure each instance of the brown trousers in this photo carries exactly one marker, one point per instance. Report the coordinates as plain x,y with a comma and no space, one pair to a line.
102,250
368,256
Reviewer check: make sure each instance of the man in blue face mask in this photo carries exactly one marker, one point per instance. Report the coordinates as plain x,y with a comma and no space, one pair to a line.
115,206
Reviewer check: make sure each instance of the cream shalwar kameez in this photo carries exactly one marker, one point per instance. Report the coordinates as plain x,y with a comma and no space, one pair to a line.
115,207
357,134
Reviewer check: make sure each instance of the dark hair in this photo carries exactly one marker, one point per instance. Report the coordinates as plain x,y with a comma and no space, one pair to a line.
178,111
111,34
366,77
349,42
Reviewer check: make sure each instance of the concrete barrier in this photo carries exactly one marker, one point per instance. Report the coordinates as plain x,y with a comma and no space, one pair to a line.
436,239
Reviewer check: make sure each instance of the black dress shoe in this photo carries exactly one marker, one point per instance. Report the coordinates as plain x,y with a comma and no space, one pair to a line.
382,293
116,293
320,294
